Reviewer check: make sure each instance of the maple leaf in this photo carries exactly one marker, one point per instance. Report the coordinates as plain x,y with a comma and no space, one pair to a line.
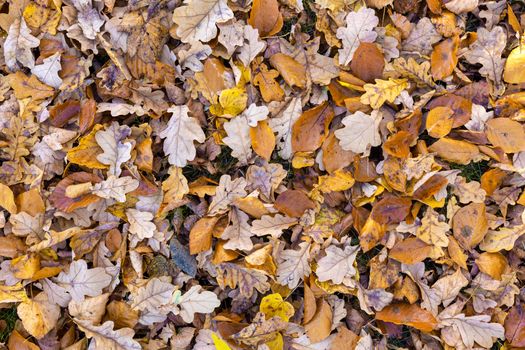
294,266
198,18
360,132
179,135
79,281
18,45
115,152
359,28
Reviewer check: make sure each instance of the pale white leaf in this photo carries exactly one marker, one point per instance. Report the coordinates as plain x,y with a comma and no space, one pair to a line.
18,45
105,337
116,152
360,132
359,28
79,281
197,19
238,138
272,225
153,295
115,188
179,135
238,233
487,50
421,37
338,265
474,329
47,72
294,265
282,124
197,300
226,193
140,223
252,45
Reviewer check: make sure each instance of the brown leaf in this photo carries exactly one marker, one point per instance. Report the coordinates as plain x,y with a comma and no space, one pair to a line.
515,326
201,234
461,152
444,59
461,106
439,121
470,225
368,62
263,139
293,203
493,264
391,210
320,326
310,130
61,201
293,73
265,17
409,251
334,157
507,134
410,315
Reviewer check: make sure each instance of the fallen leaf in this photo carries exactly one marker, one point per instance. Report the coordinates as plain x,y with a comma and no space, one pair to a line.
410,315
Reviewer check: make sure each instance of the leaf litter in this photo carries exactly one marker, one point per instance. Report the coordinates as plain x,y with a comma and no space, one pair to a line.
265,174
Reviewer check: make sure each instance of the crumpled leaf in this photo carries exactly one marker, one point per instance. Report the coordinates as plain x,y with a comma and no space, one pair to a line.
105,337
197,20
115,151
18,45
487,50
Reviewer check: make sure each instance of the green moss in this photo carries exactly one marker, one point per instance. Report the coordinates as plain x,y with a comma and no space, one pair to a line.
9,316
472,171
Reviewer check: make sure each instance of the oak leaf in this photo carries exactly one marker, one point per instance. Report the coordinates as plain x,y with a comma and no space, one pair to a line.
359,28
197,19
360,132
179,135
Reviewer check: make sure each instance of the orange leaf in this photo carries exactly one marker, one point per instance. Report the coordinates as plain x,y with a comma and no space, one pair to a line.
409,315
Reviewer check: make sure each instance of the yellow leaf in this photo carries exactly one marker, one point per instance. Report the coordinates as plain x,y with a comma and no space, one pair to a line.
43,18
274,305
382,91
39,315
85,154
514,72
340,180
13,294
7,199
219,343
25,266
276,343
231,102
293,73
